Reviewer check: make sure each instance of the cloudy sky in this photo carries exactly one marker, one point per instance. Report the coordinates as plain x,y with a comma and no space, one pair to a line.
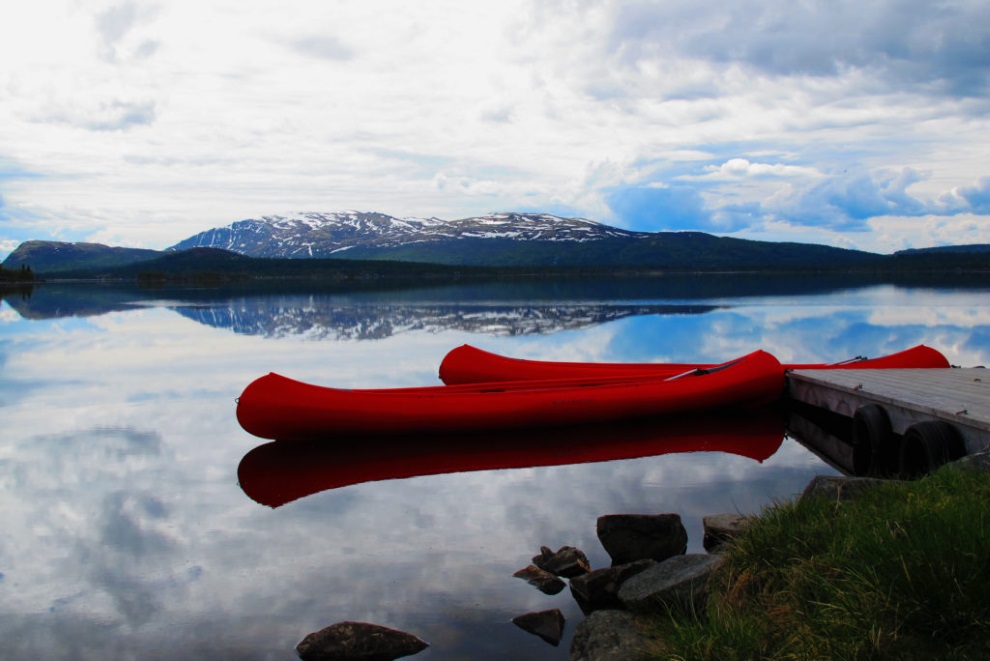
142,122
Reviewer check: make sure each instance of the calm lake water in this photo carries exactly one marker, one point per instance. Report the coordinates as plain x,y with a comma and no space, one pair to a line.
128,533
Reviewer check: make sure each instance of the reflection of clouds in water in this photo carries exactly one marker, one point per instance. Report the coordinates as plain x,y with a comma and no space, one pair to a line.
95,544
477,528
799,335
400,552
827,330
965,316
125,533
136,550
67,515
152,354
590,345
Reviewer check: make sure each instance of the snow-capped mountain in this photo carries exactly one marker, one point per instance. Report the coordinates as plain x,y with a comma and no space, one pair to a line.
330,234
497,240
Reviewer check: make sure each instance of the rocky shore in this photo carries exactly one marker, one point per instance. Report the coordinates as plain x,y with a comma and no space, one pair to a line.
650,567
650,572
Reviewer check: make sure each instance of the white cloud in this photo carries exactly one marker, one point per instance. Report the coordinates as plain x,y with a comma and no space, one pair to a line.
147,122
7,246
741,167
899,233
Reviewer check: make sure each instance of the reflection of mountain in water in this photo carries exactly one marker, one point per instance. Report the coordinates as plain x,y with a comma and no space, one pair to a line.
312,318
582,300
58,301
376,310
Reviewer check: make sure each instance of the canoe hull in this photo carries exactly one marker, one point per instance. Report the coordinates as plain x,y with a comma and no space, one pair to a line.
276,407
467,364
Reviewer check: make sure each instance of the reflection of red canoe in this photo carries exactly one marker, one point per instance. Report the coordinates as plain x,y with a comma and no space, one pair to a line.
279,408
467,364
276,473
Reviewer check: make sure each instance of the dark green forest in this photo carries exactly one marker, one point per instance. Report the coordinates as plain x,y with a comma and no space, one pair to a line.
18,275
663,254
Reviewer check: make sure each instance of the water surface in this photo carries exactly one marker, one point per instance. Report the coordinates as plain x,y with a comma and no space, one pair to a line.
127,533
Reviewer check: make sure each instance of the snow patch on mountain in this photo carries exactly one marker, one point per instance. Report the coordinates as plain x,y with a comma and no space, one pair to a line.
313,234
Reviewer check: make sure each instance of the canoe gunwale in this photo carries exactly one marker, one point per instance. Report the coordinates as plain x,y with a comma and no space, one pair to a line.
467,364
281,408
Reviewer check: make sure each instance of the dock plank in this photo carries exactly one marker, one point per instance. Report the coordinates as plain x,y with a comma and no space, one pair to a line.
959,396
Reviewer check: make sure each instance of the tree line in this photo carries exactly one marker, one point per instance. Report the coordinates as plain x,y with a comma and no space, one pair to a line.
23,274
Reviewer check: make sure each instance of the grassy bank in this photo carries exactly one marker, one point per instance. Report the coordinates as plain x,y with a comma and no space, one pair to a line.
900,572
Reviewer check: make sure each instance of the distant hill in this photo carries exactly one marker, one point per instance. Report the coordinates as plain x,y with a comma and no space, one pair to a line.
217,264
55,256
321,244
969,248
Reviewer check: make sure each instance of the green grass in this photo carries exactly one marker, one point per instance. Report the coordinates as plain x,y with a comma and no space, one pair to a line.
901,572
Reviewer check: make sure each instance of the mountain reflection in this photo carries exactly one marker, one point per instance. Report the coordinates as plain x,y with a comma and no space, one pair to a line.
326,319
276,473
373,311
333,315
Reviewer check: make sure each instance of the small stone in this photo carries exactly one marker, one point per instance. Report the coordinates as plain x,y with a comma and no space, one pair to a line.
566,561
548,625
631,537
541,579
358,641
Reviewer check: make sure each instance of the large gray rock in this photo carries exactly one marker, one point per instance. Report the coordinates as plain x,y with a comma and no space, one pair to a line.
608,635
977,462
680,582
358,641
599,590
838,487
631,537
723,528
548,625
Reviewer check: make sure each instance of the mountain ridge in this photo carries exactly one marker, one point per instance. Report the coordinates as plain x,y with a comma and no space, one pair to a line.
504,239
44,256
316,234
496,240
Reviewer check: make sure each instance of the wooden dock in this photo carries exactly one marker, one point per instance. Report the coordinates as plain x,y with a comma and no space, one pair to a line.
960,397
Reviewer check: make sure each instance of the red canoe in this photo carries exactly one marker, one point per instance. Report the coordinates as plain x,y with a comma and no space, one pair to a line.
277,473
467,364
280,408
